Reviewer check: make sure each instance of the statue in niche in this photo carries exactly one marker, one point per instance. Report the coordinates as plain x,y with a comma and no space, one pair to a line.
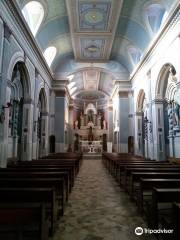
90,116
172,73
104,124
90,135
82,119
177,114
170,116
76,124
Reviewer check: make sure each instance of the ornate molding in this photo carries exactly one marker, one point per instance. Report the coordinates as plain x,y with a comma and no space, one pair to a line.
138,114
158,101
123,94
60,93
93,26
15,13
28,101
7,32
174,17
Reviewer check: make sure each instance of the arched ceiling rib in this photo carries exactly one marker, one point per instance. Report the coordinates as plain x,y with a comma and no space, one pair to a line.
97,34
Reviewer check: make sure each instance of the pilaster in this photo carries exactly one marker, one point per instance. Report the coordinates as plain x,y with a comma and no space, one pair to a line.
60,120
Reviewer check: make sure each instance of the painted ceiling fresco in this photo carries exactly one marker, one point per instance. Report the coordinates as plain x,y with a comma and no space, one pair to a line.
93,16
109,36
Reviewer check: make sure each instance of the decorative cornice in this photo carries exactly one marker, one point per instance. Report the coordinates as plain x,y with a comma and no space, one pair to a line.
44,114
123,94
60,93
16,13
138,114
7,32
173,18
28,101
158,101
80,35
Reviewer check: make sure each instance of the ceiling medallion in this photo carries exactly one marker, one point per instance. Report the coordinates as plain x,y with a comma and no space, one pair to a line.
93,17
92,48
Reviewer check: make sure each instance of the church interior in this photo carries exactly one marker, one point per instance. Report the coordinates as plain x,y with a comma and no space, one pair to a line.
89,119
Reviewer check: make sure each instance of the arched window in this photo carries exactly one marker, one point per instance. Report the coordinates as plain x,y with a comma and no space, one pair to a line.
155,15
33,12
134,54
50,54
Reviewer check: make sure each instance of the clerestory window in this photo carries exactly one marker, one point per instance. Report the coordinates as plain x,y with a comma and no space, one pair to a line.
33,13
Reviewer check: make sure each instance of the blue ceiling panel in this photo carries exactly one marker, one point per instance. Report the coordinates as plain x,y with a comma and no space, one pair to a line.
51,30
133,31
93,16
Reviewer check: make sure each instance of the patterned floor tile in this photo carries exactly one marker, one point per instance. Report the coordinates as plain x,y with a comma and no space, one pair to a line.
98,209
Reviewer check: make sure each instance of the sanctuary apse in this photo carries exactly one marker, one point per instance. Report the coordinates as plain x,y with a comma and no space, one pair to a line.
91,130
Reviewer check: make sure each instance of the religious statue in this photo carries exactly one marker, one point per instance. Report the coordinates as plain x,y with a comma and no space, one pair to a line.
104,124
90,116
90,134
82,119
76,124
177,114
170,116
172,75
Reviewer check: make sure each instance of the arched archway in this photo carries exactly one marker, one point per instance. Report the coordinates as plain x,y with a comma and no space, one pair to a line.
168,114
42,118
19,119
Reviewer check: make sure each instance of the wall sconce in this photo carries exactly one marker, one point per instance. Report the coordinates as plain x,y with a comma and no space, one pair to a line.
2,114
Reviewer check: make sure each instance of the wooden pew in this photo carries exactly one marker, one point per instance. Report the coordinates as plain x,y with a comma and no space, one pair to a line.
120,169
125,170
147,185
52,163
18,220
176,220
40,174
158,168
33,195
136,176
55,183
161,195
34,168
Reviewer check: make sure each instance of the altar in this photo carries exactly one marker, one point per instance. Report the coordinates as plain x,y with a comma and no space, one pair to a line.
91,147
90,130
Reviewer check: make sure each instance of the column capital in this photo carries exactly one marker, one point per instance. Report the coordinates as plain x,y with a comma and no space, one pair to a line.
28,101
138,114
123,94
60,93
158,101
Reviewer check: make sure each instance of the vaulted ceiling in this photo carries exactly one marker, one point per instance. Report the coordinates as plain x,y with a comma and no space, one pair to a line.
98,41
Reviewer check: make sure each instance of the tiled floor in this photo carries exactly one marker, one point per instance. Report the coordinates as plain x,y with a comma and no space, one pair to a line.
98,209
